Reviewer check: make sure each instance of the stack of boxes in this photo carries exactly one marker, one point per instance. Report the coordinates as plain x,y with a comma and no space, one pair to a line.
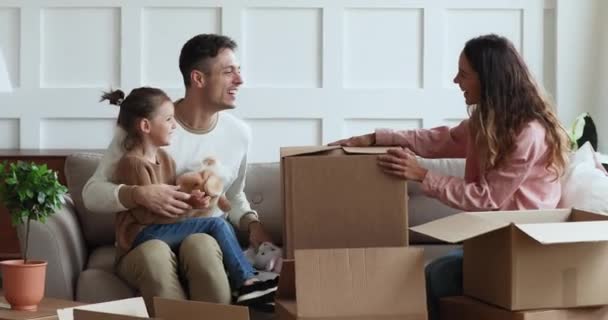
346,232
540,264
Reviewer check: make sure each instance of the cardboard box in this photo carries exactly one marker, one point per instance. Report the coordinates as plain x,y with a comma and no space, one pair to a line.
336,197
166,309
538,259
465,308
371,283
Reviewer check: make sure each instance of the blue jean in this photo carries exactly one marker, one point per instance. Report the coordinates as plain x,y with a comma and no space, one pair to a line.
443,279
237,266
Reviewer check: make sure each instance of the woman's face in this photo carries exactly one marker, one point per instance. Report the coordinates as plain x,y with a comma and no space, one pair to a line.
468,81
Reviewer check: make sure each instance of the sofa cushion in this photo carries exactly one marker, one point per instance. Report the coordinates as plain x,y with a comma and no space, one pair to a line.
97,228
96,285
263,190
423,209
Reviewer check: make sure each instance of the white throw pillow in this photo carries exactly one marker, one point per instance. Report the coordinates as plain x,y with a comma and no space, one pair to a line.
584,184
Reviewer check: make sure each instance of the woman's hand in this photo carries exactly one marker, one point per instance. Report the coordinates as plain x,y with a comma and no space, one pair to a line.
402,163
365,140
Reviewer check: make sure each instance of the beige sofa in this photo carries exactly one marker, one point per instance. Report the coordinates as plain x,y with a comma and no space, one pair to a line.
78,244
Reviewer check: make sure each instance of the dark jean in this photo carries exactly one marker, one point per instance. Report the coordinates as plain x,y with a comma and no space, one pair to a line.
239,269
443,279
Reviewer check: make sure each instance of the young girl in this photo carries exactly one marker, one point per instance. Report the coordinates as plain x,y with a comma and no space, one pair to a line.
514,145
146,115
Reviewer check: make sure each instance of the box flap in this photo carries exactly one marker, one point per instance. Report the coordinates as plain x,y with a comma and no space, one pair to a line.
168,309
297,151
467,225
129,307
526,216
582,215
566,232
304,150
97,315
459,227
364,282
366,150
287,281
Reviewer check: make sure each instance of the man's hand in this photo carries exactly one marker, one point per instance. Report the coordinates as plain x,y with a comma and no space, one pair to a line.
365,140
163,199
257,234
199,200
402,163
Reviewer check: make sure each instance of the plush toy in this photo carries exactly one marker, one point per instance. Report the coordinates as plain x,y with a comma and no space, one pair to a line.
208,181
267,257
583,130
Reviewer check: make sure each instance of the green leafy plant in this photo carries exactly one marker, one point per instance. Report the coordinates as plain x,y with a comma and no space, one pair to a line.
29,192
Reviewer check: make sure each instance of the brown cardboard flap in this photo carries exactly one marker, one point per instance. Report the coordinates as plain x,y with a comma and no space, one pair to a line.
459,227
566,232
168,309
465,308
367,150
305,150
360,282
97,315
582,215
287,281
526,216
297,151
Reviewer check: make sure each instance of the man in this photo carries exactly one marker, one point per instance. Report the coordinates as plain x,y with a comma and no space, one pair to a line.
212,78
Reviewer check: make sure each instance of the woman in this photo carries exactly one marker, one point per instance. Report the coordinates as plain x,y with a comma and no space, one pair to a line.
514,145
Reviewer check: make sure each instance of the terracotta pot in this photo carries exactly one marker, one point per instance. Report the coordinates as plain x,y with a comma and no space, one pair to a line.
23,283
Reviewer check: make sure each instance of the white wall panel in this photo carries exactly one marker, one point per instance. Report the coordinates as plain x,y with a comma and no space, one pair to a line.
9,131
464,24
78,133
383,48
452,122
271,134
363,126
165,30
549,46
315,71
282,47
80,47
9,41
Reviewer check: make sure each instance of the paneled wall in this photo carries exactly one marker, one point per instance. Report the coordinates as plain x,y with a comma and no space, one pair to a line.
314,70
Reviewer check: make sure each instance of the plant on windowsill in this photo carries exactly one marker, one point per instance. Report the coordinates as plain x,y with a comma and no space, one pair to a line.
30,192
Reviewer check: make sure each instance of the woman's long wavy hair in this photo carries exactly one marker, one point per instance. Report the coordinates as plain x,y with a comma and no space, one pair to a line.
509,99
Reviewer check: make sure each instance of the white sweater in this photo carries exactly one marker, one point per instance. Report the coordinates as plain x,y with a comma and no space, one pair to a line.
228,142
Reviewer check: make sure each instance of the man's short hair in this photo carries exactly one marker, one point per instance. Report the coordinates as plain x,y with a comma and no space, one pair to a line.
197,51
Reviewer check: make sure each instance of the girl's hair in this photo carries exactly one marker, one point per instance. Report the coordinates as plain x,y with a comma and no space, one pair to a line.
140,103
510,99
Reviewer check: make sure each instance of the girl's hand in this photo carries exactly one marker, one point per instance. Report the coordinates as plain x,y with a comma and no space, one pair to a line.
199,200
402,163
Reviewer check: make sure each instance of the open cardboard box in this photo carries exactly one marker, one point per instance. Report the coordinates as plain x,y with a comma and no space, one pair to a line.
337,197
166,309
371,283
536,259
465,308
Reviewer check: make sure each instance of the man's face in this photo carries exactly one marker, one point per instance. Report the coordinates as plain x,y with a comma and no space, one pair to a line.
223,80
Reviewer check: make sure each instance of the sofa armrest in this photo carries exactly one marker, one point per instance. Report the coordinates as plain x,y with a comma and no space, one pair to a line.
59,242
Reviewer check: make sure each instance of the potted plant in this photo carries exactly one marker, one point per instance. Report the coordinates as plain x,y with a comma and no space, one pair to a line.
29,192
